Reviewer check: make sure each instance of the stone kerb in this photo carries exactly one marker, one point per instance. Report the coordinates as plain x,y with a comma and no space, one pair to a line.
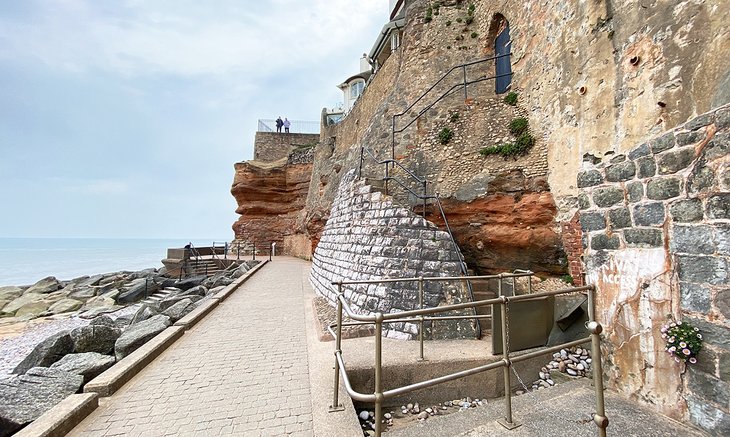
368,237
657,220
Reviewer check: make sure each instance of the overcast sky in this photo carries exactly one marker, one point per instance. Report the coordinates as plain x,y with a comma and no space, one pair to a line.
123,118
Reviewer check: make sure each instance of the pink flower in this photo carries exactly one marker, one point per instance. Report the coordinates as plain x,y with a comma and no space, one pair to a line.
699,336
693,360
676,359
686,351
682,344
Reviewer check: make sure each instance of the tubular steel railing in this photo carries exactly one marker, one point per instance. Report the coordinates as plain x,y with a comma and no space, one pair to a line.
424,197
296,126
463,83
422,314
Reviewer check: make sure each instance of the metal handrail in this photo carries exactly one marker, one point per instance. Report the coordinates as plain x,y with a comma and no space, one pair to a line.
424,197
464,83
379,396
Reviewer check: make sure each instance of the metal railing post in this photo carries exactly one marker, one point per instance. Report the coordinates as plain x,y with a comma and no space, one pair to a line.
508,423
424,197
387,178
271,248
466,96
420,323
599,418
378,374
254,249
336,406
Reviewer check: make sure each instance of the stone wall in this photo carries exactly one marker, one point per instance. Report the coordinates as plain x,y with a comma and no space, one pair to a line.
368,237
273,146
656,222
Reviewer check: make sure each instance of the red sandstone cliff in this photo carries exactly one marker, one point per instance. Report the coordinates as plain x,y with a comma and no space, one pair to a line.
270,196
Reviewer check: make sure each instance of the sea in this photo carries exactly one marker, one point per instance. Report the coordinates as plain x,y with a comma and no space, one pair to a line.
24,261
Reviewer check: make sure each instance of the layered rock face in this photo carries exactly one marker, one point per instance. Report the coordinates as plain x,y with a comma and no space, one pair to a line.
270,196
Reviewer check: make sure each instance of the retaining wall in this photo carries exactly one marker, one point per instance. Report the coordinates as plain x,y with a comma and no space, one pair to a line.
656,229
368,237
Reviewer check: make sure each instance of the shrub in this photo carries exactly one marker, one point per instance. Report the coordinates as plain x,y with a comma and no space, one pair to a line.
684,341
448,22
518,126
511,98
459,37
459,20
518,148
454,117
567,279
445,135
429,15
473,34
469,20
470,9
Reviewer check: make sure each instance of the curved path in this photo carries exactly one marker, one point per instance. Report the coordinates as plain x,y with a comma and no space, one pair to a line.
243,370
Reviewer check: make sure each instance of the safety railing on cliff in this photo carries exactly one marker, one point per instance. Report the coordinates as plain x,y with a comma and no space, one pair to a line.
424,198
418,316
464,83
296,126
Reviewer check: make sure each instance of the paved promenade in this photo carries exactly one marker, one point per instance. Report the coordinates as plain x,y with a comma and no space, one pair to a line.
237,372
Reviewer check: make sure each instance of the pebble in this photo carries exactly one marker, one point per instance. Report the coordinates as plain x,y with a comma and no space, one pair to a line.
572,372
388,416
364,415
422,415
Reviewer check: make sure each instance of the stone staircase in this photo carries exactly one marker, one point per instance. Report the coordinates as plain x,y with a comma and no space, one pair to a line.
157,296
203,266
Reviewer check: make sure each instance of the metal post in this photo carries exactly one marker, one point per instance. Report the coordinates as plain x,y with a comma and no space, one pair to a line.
466,96
392,143
507,421
254,249
336,406
420,323
424,198
271,247
599,418
387,178
378,374
359,173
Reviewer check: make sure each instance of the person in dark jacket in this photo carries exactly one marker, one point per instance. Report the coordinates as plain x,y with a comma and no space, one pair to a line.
279,124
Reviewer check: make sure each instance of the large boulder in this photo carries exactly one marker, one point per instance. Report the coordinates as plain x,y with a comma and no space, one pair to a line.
179,310
187,283
82,293
9,294
65,306
200,290
47,352
139,333
45,285
170,301
103,320
26,397
87,364
13,306
33,309
143,313
95,338
137,289
100,302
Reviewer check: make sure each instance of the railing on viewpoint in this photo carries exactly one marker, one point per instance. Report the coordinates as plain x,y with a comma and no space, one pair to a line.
418,316
296,127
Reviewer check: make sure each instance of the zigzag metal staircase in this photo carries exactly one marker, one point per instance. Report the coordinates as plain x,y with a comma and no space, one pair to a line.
390,165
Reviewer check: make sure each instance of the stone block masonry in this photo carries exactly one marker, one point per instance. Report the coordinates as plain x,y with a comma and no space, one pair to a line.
273,146
369,237
656,234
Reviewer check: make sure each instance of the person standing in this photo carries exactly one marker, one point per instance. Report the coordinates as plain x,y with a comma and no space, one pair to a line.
286,125
279,124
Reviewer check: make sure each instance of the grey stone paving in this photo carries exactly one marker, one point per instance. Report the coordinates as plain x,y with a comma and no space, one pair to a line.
242,370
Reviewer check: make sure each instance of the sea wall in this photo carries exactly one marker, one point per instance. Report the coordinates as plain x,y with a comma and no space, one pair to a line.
656,222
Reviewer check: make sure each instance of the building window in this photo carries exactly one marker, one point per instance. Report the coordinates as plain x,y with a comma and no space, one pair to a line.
356,89
394,41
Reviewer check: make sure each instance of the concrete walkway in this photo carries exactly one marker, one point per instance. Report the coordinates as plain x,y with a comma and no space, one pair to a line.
243,370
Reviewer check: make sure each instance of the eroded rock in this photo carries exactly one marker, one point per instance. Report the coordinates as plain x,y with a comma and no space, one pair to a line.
138,334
